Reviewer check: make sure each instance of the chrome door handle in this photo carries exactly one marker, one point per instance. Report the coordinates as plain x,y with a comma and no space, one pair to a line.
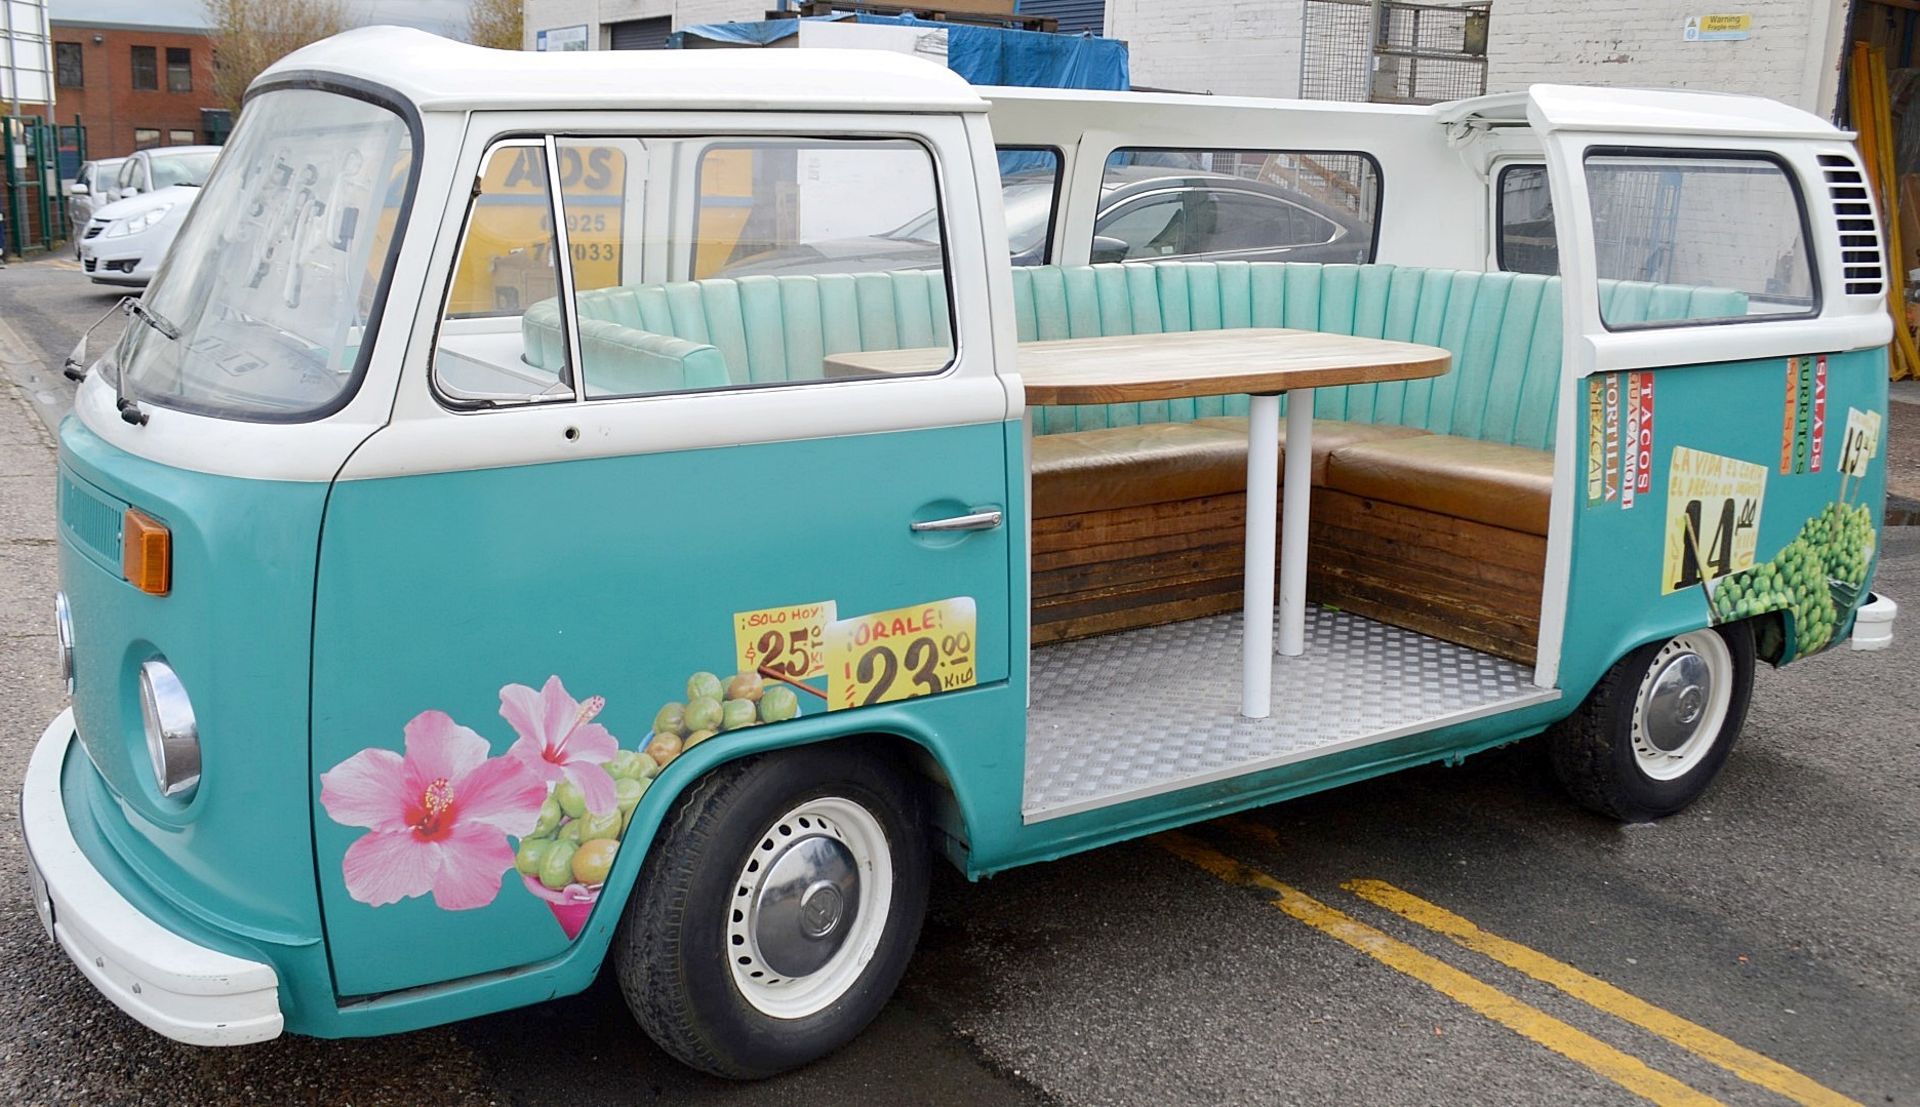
978,520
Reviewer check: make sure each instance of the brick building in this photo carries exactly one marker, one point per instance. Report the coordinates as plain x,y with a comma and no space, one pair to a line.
136,86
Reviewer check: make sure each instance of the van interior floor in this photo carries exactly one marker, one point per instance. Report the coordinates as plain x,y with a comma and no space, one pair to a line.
1125,716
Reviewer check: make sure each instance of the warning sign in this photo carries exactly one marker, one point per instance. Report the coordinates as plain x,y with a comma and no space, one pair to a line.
1718,28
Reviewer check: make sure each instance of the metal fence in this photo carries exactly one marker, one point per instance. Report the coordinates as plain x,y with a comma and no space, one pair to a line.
35,157
1414,54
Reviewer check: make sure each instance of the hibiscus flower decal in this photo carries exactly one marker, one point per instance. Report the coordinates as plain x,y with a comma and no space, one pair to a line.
559,739
437,819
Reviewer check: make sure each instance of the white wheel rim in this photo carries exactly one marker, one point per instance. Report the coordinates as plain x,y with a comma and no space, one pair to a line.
755,942
1682,704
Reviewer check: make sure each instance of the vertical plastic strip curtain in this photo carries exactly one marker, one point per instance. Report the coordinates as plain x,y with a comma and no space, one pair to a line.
1872,114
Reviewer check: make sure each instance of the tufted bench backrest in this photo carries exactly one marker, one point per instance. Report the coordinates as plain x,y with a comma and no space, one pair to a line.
1503,330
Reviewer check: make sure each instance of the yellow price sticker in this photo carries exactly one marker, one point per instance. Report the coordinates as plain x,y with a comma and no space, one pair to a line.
787,640
1713,517
899,654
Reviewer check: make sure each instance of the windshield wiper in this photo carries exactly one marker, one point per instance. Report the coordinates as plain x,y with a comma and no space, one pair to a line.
152,318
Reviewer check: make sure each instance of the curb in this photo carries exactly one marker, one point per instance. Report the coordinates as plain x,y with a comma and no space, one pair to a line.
34,386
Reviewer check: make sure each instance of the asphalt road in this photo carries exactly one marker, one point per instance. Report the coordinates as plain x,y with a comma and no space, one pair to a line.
1772,926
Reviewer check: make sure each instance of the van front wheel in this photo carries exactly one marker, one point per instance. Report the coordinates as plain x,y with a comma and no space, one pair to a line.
776,911
1656,729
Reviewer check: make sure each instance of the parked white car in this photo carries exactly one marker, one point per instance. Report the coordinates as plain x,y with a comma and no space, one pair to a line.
91,190
126,240
160,167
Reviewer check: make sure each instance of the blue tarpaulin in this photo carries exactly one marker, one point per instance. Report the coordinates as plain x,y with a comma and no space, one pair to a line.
982,55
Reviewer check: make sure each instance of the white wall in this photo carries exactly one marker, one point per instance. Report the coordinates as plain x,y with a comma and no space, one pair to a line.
1231,47
544,15
1791,56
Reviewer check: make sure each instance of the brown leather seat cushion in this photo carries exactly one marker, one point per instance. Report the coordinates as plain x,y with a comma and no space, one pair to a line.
1328,435
1114,467
1488,482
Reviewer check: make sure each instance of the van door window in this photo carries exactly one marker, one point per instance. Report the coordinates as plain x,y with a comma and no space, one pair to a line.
1526,242
488,351
727,263
1696,237
1255,205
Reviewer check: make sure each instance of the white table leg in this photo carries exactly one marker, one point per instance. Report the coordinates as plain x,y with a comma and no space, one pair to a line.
1293,523
1263,487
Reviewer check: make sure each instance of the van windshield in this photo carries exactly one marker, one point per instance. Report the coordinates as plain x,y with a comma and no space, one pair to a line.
267,292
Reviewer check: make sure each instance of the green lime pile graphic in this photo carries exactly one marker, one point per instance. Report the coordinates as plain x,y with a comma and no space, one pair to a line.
714,706
572,845
1829,554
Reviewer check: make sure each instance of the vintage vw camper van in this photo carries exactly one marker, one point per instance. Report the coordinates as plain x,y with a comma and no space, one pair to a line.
552,510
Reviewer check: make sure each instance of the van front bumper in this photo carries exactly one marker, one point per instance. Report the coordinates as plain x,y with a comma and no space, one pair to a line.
182,989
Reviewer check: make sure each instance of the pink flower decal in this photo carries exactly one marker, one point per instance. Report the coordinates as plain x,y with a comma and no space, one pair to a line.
559,739
437,819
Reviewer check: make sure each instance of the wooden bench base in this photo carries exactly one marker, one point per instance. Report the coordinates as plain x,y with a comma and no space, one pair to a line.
1468,582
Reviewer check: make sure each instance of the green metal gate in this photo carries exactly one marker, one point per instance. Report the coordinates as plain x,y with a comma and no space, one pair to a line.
35,156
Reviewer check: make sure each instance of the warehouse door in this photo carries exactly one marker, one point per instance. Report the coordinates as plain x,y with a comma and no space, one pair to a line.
1073,16
641,34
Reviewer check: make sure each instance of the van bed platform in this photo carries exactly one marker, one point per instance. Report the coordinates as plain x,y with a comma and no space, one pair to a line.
1126,716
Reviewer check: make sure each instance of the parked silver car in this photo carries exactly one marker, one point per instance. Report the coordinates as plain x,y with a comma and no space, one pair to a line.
89,192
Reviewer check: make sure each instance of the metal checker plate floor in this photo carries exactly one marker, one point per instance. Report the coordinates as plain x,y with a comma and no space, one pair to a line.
1105,709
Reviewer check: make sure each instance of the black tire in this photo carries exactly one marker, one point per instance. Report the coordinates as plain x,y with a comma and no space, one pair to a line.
1593,749
671,953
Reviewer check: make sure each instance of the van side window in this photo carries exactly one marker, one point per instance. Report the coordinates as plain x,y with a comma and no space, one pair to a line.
1030,193
1697,237
1250,205
489,349
1526,242
727,263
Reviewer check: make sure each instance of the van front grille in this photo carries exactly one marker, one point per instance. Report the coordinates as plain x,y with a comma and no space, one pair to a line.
1861,259
91,520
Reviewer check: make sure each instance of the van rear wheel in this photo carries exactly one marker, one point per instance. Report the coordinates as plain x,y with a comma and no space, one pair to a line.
776,912
1657,728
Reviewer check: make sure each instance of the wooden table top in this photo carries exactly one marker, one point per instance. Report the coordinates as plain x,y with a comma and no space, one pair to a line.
1181,364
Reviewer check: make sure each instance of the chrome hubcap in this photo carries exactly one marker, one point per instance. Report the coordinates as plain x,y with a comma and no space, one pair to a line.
806,905
1679,698
1682,705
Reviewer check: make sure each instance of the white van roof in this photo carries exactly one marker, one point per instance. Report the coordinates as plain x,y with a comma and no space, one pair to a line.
1646,111
438,74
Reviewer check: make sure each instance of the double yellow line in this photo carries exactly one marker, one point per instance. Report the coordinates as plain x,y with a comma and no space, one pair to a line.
1522,1018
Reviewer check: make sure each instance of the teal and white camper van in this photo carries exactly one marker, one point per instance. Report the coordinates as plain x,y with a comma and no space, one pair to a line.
561,509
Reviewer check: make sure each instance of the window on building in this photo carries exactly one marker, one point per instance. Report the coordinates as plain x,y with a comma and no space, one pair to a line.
1662,220
1254,205
1527,243
69,65
146,69
179,69
144,137
180,138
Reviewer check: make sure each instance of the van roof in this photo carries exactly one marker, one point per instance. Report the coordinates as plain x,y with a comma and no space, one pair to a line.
438,74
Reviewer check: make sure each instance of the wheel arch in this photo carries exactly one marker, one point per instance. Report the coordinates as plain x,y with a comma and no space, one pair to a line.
898,736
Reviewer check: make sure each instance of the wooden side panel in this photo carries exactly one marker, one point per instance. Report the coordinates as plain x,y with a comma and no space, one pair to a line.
1104,571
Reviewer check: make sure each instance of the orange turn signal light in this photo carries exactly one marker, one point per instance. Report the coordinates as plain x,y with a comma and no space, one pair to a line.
146,552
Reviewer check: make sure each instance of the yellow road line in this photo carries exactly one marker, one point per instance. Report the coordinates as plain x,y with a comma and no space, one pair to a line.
1730,1055
1524,1019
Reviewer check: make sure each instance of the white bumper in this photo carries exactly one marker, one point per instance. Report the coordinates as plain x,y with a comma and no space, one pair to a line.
183,990
1873,624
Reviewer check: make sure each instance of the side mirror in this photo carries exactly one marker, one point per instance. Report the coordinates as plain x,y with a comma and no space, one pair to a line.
1107,249
77,189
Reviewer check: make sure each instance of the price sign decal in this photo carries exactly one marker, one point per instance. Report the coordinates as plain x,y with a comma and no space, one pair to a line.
1862,442
900,654
1713,517
789,640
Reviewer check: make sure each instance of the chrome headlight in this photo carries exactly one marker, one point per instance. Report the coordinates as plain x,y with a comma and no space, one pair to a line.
136,224
173,736
63,626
